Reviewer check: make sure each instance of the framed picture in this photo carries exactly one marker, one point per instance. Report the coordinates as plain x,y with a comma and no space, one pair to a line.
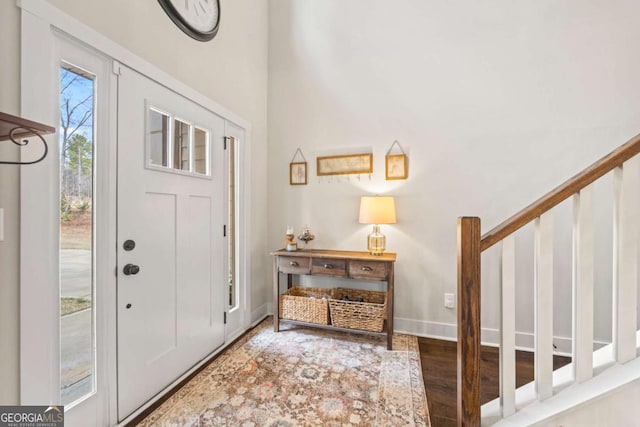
396,166
346,164
298,173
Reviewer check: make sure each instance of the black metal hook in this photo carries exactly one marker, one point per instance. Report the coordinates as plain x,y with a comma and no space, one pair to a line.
24,142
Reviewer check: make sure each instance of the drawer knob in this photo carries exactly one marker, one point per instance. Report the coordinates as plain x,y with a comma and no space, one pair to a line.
366,268
328,266
293,263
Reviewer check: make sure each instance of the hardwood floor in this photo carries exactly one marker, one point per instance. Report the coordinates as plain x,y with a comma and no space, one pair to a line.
439,360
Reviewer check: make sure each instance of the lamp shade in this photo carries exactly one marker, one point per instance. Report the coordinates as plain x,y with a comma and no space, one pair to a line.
377,210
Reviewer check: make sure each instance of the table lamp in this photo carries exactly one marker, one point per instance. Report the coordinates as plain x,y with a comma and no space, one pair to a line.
377,210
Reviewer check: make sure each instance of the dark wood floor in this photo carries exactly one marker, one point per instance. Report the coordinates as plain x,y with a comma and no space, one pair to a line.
439,371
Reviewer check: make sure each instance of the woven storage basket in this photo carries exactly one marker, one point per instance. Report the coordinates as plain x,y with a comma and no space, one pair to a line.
305,305
367,316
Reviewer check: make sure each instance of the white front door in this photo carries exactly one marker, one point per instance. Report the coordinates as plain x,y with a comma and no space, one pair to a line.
170,242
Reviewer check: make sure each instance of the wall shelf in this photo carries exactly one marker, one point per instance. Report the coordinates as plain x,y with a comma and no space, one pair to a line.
16,129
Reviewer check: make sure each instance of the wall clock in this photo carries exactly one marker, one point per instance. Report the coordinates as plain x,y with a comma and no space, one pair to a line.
197,18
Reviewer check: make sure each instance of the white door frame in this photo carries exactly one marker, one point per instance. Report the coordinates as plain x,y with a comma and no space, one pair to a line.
238,319
39,260
39,345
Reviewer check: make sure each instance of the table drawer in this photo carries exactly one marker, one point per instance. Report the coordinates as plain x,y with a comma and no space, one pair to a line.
369,270
294,265
329,267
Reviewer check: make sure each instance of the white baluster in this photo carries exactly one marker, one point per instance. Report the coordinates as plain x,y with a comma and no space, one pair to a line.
625,257
543,283
582,284
508,327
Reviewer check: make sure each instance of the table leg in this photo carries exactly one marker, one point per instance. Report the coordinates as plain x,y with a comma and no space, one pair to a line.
390,308
276,295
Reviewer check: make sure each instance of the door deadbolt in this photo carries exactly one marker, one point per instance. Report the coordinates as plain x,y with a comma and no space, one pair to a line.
130,269
128,245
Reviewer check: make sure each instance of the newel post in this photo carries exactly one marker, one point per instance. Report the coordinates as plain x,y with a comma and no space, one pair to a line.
468,321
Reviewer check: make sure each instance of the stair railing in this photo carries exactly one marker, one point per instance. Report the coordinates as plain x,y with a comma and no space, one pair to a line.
471,244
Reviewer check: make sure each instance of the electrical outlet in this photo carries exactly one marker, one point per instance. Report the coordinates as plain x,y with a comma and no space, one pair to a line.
449,301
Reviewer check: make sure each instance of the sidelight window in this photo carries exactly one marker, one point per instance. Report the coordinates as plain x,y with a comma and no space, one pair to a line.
77,219
232,200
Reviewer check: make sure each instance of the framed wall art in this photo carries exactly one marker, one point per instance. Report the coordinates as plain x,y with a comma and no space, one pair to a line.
396,165
298,170
298,173
345,164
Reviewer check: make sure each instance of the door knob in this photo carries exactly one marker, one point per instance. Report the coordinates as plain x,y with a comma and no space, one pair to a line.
130,269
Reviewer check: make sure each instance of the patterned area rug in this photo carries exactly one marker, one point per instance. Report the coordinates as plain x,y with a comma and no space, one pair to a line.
303,377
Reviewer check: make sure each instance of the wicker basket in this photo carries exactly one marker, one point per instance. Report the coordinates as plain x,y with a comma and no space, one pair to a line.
305,305
367,316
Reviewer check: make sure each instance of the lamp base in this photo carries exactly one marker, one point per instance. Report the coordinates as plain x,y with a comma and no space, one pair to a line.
376,241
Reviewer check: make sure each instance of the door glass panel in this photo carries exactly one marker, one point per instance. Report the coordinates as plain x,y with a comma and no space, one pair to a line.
231,220
176,144
158,138
181,145
77,262
200,150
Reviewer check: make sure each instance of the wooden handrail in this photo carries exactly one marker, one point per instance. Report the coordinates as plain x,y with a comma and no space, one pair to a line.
559,194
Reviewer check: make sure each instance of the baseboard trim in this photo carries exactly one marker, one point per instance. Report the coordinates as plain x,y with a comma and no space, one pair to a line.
260,313
490,337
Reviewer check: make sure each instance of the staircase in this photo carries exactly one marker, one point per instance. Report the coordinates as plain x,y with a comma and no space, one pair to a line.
592,375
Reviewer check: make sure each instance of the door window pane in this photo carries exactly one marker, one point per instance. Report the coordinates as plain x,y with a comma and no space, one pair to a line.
181,145
158,138
77,340
200,150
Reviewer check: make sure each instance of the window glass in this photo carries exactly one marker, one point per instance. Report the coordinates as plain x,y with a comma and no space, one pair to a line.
181,145
158,138
231,220
177,145
200,150
77,258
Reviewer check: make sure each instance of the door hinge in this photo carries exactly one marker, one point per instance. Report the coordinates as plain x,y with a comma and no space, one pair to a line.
116,68
224,230
225,317
225,142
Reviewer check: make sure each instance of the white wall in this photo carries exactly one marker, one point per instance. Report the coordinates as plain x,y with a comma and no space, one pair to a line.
231,70
496,102
10,201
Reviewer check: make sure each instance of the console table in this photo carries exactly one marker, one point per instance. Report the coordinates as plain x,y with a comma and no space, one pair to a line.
338,264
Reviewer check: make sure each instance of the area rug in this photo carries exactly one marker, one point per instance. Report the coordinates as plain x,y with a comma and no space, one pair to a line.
303,377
